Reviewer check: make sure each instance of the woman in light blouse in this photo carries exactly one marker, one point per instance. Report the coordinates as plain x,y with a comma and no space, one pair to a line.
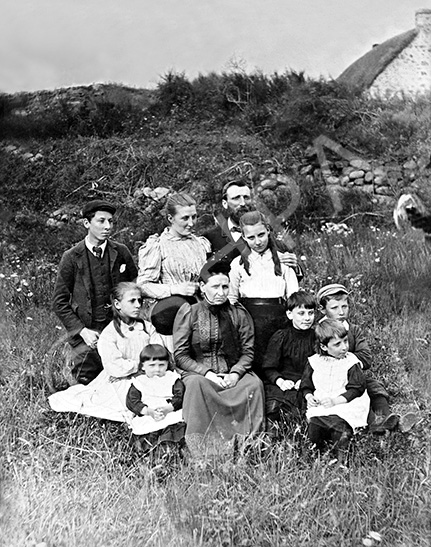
260,282
169,263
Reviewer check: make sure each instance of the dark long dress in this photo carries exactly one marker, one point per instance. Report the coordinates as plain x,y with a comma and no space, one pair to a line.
286,358
215,415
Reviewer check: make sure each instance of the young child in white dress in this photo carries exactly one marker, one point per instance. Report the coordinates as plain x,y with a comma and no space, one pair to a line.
155,397
333,385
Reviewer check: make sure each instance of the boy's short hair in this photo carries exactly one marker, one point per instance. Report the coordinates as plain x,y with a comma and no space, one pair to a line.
328,329
300,298
333,290
154,351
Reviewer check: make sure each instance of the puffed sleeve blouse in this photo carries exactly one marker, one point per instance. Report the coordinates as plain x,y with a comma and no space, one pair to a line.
167,260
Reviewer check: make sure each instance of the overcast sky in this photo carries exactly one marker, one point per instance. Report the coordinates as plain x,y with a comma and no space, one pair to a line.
55,43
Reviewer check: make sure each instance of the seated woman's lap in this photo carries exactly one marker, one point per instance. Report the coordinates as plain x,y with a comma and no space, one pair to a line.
208,405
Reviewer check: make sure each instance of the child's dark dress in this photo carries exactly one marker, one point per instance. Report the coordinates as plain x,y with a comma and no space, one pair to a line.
286,356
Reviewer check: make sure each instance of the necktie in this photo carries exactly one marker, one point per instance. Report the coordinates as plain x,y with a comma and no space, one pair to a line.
97,251
235,229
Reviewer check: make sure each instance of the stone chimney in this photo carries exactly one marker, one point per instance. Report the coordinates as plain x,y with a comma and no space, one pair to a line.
423,20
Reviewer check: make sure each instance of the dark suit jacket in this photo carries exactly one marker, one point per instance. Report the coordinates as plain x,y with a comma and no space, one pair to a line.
223,246
72,300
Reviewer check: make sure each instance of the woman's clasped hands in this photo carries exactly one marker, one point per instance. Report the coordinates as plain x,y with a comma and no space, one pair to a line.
225,381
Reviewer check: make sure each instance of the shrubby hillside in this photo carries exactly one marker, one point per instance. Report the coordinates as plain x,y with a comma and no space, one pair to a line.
60,148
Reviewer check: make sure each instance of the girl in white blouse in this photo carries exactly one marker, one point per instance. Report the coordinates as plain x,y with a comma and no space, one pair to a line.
260,282
119,346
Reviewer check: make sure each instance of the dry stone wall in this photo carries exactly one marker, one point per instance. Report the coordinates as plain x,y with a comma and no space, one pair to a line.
382,181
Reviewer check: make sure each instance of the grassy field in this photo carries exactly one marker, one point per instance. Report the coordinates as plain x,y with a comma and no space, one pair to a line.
69,480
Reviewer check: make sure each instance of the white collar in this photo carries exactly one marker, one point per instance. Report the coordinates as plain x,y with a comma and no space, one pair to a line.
90,246
137,325
231,224
236,234
261,256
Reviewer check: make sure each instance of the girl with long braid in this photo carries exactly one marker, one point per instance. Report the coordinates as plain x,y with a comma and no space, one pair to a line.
260,282
119,346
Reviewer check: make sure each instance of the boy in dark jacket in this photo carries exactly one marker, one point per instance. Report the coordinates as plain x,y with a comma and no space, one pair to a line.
333,301
86,275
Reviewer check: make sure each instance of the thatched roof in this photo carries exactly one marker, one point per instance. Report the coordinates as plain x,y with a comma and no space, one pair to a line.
365,70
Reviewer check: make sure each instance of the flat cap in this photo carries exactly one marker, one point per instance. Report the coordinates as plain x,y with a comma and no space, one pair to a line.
97,205
329,290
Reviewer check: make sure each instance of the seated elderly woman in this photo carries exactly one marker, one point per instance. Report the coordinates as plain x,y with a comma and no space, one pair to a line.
213,346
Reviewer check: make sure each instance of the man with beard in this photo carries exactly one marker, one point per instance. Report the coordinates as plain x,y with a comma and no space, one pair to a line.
225,238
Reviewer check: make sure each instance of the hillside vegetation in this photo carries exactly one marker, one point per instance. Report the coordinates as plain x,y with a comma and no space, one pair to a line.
63,147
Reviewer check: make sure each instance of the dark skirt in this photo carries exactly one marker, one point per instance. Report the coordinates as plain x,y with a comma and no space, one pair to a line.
174,433
269,315
290,401
328,429
216,417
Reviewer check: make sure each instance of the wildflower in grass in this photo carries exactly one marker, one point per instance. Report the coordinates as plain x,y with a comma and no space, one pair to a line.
371,539
334,228
303,258
2,276
29,318
377,259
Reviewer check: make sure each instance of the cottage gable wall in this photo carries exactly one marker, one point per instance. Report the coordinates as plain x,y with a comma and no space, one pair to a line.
410,72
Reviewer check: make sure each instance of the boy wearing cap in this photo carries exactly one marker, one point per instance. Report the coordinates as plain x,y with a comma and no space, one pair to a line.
333,300
86,275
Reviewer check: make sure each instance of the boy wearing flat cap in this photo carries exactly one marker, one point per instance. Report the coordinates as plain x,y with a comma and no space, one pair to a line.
86,275
333,300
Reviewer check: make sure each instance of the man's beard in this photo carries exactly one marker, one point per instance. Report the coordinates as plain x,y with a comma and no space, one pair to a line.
235,215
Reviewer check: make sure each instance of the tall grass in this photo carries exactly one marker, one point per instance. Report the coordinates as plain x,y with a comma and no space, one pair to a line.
69,480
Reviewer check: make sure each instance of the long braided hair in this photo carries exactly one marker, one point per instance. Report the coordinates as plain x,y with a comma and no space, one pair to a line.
118,293
251,219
